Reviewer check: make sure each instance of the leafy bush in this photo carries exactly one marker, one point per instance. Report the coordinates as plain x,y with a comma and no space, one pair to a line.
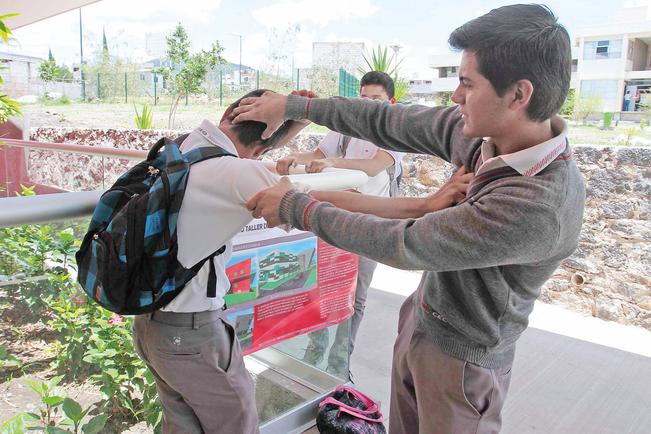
145,119
91,342
586,107
567,109
53,400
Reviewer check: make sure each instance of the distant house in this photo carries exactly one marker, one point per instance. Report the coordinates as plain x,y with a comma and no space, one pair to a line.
20,73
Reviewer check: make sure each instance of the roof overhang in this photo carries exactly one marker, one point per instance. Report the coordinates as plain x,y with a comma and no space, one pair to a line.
36,10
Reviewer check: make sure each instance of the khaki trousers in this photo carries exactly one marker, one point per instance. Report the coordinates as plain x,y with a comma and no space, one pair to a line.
201,380
432,392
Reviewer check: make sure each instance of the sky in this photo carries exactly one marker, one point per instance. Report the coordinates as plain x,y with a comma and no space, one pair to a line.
286,27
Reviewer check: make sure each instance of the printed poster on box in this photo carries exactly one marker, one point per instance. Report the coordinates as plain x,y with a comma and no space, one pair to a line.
284,284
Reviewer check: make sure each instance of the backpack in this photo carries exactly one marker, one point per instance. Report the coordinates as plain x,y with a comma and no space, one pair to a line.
127,261
348,411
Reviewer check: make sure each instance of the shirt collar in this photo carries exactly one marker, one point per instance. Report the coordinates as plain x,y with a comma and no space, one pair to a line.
530,161
208,132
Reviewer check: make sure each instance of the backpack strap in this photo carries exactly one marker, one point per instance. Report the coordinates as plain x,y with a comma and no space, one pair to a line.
205,152
211,286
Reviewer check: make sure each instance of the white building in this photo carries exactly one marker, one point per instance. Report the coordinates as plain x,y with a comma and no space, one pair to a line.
615,59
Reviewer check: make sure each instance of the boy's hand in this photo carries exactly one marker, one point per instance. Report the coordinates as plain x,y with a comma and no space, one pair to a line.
316,166
284,164
266,203
451,193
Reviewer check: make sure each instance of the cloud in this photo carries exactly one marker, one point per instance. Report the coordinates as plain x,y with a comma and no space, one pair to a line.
317,12
139,11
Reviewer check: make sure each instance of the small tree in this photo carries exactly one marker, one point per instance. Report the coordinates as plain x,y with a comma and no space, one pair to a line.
49,71
323,81
586,106
381,61
186,72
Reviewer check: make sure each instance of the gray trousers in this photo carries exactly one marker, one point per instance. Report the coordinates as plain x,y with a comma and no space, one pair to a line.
344,341
434,393
201,380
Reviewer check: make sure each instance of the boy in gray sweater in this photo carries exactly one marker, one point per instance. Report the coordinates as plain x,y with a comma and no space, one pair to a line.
486,258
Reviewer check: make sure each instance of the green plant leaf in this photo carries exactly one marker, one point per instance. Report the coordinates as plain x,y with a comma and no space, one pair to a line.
72,409
95,425
35,385
53,400
18,424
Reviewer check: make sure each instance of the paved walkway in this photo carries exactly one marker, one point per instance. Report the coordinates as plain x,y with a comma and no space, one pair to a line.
572,374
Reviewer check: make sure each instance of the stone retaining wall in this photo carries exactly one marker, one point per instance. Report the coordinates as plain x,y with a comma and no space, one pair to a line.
609,276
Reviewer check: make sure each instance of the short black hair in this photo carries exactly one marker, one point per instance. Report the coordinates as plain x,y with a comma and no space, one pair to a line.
522,41
249,133
381,78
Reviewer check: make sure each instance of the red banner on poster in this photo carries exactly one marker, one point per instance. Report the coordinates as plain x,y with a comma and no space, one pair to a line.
284,284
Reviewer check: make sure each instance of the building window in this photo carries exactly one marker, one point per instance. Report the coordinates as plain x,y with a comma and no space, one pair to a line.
605,89
606,49
448,71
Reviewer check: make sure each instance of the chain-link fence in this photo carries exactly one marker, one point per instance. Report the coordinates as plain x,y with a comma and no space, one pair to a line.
149,87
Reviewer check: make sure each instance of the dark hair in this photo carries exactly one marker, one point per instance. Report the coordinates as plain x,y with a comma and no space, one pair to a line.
381,78
519,42
249,133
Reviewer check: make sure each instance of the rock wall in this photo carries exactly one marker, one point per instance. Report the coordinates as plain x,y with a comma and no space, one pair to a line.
609,275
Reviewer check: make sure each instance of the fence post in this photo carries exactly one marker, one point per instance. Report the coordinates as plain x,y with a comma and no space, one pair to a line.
98,92
221,92
298,79
155,83
257,79
125,87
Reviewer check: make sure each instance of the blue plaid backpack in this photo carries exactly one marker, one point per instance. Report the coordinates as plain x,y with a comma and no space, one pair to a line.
127,261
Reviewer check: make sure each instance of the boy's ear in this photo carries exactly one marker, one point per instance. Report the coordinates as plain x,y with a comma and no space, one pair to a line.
522,91
227,116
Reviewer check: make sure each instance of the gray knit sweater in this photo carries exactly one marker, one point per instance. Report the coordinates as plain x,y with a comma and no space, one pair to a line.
485,259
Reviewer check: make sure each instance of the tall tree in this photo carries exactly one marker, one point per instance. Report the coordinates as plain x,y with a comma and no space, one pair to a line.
50,57
105,50
186,72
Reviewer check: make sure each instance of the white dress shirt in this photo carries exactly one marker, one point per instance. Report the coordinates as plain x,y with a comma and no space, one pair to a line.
377,185
212,212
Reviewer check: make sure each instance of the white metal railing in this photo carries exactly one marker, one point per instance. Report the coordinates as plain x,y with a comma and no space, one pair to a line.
45,208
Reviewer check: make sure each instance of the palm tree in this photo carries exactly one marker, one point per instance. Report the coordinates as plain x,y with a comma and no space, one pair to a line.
380,60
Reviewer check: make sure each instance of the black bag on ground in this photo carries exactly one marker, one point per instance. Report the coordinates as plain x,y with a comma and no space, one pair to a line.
348,411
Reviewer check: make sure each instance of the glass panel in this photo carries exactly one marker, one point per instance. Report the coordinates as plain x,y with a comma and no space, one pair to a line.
326,349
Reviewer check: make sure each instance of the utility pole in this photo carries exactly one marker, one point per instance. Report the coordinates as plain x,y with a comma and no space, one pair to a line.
239,36
81,64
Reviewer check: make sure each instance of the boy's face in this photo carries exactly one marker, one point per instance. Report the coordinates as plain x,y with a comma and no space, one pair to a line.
374,91
485,113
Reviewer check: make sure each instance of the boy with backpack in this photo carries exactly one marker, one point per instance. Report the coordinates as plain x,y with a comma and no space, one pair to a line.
157,247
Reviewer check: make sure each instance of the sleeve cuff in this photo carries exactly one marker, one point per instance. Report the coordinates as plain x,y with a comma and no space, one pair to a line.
292,208
296,108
